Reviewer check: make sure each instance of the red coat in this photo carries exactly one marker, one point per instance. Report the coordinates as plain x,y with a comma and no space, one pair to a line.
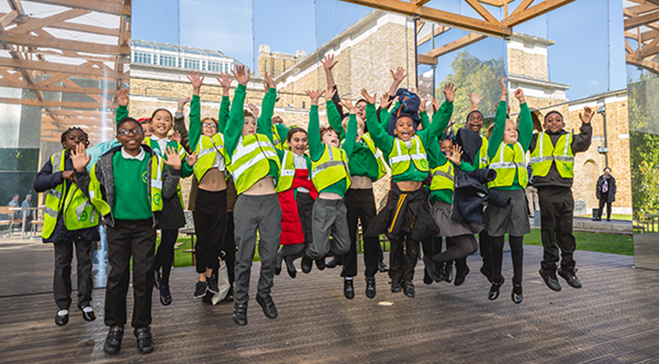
291,226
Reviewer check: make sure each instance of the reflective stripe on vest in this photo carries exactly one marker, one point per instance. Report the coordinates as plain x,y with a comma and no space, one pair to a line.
400,156
507,163
482,156
382,170
330,168
286,172
545,153
207,150
443,177
250,161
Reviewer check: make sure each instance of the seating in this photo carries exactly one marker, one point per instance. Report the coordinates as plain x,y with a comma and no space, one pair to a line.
7,219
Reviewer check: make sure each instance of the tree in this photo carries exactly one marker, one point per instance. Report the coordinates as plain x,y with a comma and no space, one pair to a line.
471,74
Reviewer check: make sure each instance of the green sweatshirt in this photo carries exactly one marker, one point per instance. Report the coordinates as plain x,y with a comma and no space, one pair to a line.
317,148
525,135
131,188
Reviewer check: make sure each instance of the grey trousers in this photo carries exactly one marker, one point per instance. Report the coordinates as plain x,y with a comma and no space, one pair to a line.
250,214
329,219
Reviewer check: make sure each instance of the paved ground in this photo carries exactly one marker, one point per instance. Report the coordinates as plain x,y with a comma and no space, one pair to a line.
614,318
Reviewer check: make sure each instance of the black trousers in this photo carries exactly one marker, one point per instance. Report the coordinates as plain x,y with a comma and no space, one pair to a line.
604,200
360,204
402,258
458,248
165,254
556,214
517,253
62,276
210,216
136,239
485,249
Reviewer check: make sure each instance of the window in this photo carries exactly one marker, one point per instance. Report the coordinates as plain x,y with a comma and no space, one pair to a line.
214,67
192,64
169,61
139,57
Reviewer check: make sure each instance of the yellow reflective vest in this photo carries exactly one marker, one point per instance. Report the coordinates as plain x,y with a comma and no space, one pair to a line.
286,172
545,153
482,155
79,213
251,161
207,150
382,170
330,168
443,177
401,156
506,163
181,153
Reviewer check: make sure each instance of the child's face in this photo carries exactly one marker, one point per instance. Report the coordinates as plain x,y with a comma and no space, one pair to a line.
208,127
331,138
147,128
161,123
447,147
130,136
404,129
554,122
298,143
510,134
249,128
360,109
72,139
475,122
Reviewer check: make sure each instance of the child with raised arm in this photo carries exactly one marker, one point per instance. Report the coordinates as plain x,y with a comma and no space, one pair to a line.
254,165
406,218
128,185
507,156
331,177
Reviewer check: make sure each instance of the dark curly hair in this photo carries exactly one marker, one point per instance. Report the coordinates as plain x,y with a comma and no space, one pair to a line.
64,134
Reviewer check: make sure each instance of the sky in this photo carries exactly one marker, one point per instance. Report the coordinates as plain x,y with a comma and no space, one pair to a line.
588,52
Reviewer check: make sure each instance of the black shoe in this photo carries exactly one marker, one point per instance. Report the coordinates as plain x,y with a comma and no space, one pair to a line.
277,271
269,309
382,267
165,296
426,277
370,287
485,270
348,289
62,317
144,342
550,279
113,340
461,276
306,265
395,286
494,290
88,313
334,262
516,295
320,264
240,314
212,284
200,289
608,219
292,273
570,277
408,288
446,272
432,270
156,278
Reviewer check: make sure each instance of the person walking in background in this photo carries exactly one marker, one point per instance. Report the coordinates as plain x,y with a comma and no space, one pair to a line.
606,193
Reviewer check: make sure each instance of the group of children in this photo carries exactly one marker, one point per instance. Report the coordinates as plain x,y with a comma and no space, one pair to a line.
301,194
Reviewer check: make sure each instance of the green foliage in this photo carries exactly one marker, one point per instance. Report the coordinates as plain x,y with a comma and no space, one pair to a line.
471,74
592,242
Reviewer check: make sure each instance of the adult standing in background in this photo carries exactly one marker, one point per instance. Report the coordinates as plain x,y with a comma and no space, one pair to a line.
26,204
14,203
606,193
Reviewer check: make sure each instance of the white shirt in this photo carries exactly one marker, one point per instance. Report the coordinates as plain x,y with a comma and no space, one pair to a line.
162,144
139,157
300,163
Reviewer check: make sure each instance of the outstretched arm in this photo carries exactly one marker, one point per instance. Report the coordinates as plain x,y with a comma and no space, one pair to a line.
499,122
328,63
195,109
581,142
264,125
525,121
475,99
398,76
382,140
441,117
122,108
223,116
315,143
234,128
333,115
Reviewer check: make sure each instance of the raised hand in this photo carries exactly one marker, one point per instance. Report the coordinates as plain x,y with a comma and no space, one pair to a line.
241,76
171,158
422,105
328,62
329,92
80,159
348,105
254,109
449,91
225,82
587,116
385,102
176,136
315,95
398,75
191,159
181,104
122,97
475,99
369,99
504,88
269,82
519,94
455,155
435,105
195,79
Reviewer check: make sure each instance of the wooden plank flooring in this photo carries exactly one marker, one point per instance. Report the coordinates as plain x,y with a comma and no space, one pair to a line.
613,319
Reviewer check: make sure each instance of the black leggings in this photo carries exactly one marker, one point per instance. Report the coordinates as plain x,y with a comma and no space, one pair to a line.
165,254
458,247
517,253
210,216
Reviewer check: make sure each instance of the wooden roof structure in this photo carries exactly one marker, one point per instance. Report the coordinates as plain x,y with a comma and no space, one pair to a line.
482,27
642,34
70,57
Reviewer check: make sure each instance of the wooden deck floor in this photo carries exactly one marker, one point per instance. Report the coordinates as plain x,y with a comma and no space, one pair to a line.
614,318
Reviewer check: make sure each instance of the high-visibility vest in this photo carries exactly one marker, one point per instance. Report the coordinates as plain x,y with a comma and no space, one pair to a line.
155,187
330,168
181,153
279,142
482,154
79,213
251,161
207,150
401,156
382,170
286,172
545,153
506,163
443,177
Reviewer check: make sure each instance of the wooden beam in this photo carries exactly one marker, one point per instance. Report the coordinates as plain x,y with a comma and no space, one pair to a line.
435,15
424,59
628,47
521,7
646,64
115,7
634,22
8,19
535,11
649,50
419,25
482,11
49,103
92,29
439,29
86,113
84,69
4,82
497,3
420,2
468,39
38,23
645,36
63,44
641,9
